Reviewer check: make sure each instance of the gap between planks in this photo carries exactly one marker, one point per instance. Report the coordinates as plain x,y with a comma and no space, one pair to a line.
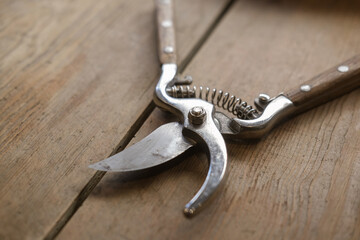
88,188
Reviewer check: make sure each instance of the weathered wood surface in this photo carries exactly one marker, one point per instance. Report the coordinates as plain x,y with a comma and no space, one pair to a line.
300,182
74,77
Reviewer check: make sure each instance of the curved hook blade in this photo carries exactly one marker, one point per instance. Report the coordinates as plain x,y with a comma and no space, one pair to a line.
213,142
206,134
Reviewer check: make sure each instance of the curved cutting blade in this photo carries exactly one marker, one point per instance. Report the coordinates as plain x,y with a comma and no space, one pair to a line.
160,146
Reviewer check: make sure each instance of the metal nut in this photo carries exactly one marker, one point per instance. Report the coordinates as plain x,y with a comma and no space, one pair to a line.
197,115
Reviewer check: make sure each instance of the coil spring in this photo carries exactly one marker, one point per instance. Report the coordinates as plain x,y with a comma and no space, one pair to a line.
217,97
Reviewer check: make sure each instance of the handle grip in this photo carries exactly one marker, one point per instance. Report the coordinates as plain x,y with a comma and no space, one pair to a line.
330,84
166,31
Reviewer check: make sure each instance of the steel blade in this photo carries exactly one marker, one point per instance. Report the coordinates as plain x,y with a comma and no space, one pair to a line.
162,145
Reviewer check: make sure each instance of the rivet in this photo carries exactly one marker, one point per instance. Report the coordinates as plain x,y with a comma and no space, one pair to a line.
189,212
305,88
166,23
343,69
168,49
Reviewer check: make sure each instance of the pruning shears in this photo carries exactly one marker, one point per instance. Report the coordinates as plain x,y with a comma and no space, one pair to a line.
202,123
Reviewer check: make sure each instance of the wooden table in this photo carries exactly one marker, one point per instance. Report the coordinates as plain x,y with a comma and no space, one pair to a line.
76,85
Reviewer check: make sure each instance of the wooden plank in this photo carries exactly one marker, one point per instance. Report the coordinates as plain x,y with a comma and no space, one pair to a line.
75,75
300,182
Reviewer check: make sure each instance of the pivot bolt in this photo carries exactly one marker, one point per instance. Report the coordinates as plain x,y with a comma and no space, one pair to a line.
197,115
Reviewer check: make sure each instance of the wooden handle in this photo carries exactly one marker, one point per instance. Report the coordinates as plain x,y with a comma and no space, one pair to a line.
166,31
328,85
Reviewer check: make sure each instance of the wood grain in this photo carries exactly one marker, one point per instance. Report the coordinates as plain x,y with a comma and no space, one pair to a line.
326,86
74,77
166,31
300,182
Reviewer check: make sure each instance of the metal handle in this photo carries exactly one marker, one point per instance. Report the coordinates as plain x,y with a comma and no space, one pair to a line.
166,31
330,84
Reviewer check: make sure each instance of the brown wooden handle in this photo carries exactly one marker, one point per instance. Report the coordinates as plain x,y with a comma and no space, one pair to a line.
166,31
328,85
